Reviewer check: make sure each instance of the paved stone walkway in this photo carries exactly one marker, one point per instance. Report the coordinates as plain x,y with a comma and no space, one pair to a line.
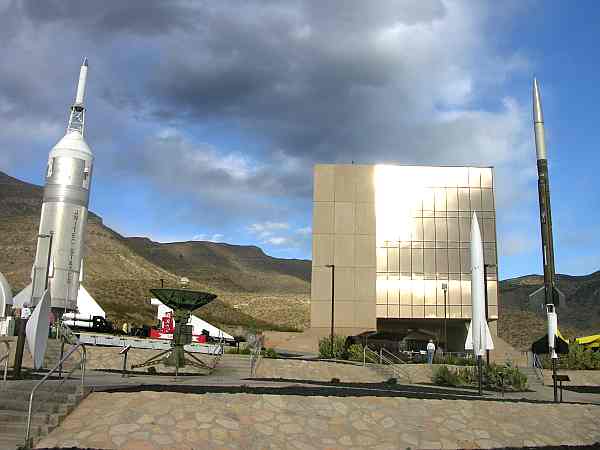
162,420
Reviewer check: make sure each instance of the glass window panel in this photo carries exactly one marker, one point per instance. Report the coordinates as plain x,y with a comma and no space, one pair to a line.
454,312
417,234
467,311
441,233
381,288
440,292
428,199
429,261
393,311
465,260
429,244
489,230
475,199
430,312
486,178
416,244
441,260
430,286
454,292
405,289
491,273
393,291
493,312
440,199
452,199
489,253
428,229
492,287
418,290
462,178
453,229
441,311
465,229
405,265
382,311
463,199
382,260
474,177
393,260
487,199
453,260
405,311
465,284
417,260
418,312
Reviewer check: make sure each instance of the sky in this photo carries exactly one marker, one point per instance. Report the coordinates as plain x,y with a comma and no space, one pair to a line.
206,118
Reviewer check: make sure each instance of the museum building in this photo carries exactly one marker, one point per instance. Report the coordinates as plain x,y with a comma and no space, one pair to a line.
396,239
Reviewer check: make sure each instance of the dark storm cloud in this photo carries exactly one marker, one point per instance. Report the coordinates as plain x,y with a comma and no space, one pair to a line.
303,82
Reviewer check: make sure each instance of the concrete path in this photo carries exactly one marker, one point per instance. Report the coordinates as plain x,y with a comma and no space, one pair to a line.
163,420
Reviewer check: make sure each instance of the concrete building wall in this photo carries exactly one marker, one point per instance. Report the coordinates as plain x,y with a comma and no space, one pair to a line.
344,236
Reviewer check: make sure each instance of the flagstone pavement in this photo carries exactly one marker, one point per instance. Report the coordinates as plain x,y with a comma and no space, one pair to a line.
165,420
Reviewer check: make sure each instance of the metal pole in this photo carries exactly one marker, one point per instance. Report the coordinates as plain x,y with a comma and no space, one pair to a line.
51,235
332,267
554,383
479,369
445,289
485,288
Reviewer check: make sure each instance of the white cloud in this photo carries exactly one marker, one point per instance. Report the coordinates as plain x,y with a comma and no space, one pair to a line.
217,237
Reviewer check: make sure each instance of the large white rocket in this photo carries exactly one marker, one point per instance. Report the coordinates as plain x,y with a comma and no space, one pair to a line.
479,338
64,212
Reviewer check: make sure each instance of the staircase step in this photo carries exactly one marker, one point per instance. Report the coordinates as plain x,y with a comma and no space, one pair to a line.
40,396
17,430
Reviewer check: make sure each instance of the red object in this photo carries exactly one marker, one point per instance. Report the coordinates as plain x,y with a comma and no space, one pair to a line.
168,328
202,339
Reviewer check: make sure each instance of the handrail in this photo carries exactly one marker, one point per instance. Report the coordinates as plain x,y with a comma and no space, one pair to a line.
538,369
384,360
5,358
39,383
385,350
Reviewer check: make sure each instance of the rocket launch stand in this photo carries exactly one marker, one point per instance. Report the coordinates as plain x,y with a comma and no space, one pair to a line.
183,302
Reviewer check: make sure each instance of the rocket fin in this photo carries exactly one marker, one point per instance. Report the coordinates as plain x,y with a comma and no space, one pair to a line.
37,330
469,341
23,297
489,344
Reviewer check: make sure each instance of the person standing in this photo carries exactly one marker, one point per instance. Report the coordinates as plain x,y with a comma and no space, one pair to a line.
430,351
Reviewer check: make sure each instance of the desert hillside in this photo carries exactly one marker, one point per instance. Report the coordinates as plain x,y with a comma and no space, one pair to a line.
119,271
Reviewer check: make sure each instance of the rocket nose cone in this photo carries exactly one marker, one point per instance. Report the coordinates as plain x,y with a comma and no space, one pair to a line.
538,116
85,61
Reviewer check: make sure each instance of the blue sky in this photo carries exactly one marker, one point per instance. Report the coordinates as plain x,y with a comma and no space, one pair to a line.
206,118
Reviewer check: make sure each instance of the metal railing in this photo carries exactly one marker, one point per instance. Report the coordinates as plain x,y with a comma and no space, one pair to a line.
5,358
384,360
58,367
538,369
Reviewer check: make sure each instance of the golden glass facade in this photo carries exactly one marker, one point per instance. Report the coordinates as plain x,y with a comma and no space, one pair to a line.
423,223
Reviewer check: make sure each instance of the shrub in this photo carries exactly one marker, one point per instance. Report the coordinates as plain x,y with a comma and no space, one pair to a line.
445,376
355,352
495,377
579,358
241,350
270,353
339,343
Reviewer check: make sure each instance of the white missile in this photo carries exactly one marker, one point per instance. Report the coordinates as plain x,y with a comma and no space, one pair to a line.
6,298
65,209
479,338
552,330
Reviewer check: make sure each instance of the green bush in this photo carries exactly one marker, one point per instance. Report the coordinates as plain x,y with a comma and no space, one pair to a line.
355,352
270,353
339,351
495,377
444,376
579,358
241,350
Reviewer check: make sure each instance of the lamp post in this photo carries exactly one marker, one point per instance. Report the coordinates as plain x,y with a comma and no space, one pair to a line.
485,268
332,267
23,322
445,289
